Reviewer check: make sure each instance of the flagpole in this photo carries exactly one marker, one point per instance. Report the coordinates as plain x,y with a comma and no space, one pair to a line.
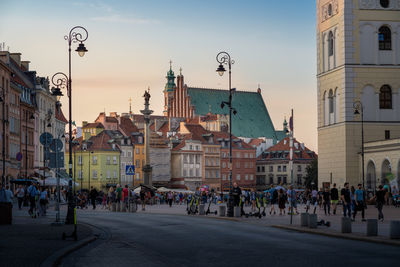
292,197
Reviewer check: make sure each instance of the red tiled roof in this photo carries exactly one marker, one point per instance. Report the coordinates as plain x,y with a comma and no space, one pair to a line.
255,142
94,125
284,147
100,142
225,135
111,119
60,116
209,117
127,126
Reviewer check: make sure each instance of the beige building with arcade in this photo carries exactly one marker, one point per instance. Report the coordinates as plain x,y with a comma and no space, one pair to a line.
358,46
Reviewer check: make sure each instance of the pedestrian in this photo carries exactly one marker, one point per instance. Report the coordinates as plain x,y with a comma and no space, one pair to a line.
32,192
93,196
104,202
346,200
110,197
334,198
236,194
20,193
281,201
359,197
326,196
353,200
380,197
143,198
291,193
273,194
43,199
118,193
9,195
253,200
307,199
125,195
314,199
170,198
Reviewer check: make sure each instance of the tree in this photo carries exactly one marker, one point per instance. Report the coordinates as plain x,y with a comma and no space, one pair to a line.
312,174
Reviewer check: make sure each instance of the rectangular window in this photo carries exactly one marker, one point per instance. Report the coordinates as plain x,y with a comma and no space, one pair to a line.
237,164
198,159
299,168
284,179
115,174
299,179
129,154
279,168
251,177
237,154
94,174
115,160
238,177
143,151
387,134
143,163
246,177
94,160
137,151
271,168
108,160
271,179
246,155
284,168
223,165
217,174
246,164
137,176
137,163
108,174
207,174
258,168
79,160
198,172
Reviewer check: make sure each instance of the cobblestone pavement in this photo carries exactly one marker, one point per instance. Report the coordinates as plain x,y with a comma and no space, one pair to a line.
153,239
28,241
390,212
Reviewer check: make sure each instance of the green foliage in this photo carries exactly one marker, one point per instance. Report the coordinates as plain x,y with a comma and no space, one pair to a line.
312,174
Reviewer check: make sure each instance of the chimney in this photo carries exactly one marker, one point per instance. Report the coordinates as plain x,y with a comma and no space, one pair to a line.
84,123
16,57
113,114
25,64
259,90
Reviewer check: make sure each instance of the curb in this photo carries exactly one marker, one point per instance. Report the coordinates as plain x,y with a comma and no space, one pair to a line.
340,235
55,258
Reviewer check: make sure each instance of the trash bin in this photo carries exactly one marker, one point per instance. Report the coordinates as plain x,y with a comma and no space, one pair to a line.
5,213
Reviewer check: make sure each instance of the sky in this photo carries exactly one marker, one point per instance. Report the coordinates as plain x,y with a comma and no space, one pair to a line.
130,45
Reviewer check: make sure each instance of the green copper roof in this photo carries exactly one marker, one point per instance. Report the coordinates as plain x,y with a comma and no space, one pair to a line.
252,118
169,86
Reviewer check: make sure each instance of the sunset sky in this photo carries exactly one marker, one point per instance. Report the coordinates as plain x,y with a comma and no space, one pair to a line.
131,42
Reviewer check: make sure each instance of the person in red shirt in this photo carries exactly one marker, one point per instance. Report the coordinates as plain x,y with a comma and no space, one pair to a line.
125,195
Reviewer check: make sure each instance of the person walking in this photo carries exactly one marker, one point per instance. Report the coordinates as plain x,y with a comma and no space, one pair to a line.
236,194
32,192
273,194
334,198
20,193
314,199
143,198
359,197
43,199
281,201
353,200
118,193
93,196
380,197
346,200
253,200
170,198
326,196
291,194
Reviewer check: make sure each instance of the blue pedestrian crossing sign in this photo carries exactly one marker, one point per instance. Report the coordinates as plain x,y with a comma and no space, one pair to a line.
130,170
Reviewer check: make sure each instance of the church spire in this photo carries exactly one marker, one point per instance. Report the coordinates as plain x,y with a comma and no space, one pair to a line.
169,86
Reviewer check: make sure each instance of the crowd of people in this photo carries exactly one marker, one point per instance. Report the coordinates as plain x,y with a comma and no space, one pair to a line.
353,200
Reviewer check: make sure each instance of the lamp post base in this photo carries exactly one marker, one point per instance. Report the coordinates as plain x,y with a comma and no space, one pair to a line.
230,205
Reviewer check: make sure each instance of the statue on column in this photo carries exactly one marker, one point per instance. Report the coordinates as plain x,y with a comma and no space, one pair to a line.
147,96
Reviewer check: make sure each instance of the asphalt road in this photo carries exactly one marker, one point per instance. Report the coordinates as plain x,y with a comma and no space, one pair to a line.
170,240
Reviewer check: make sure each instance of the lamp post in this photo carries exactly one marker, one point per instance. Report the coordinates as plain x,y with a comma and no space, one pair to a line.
76,34
223,58
359,109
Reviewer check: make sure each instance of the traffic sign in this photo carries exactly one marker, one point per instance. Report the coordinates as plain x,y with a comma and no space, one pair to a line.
19,156
46,138
56,145
56,163
130,170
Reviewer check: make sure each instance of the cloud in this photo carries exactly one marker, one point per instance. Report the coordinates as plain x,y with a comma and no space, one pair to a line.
120,19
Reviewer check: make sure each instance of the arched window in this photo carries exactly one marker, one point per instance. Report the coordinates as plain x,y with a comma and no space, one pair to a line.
385,38
330,44
330,10
385,97
384,3
331,105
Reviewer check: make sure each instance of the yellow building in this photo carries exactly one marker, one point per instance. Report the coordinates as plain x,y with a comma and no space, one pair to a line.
139,157
91,129
358,57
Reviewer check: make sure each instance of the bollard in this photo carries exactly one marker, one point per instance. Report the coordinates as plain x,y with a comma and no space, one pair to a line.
312,221
201,209
222,210
394,229
113,207
372,227
236,212
304,219
346,225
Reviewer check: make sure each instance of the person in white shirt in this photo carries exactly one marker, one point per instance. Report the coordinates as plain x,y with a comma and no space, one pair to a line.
20,195
43,198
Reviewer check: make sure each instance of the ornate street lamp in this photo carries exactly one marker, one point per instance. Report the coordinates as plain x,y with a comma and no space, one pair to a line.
223,58
359,109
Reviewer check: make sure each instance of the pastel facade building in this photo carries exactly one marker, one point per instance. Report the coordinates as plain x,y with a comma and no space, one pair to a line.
358,59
